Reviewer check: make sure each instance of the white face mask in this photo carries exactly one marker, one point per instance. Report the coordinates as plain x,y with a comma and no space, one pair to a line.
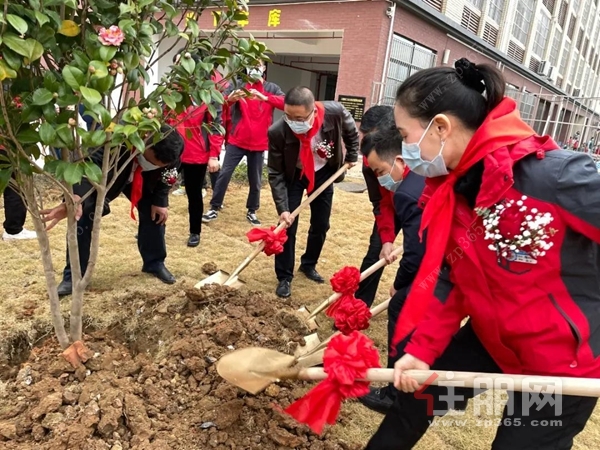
256,73
298,127
145,164
411,153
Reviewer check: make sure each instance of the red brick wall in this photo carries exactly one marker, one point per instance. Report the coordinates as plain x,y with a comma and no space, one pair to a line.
365,26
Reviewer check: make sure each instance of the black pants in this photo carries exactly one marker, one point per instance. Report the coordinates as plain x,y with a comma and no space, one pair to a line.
213,176
151,237
320,212
233,156
368,287
15,211
194,175
410,415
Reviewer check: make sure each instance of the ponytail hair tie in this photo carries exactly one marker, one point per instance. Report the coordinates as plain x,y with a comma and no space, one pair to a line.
469,75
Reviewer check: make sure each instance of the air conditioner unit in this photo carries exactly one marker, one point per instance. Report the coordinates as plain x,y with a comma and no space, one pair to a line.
544,68
553,74
576,92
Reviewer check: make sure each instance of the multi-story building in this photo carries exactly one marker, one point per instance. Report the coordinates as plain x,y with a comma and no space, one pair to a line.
359,51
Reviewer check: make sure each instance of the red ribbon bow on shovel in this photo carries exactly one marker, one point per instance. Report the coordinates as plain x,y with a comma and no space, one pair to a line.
273,241
346,360
348,313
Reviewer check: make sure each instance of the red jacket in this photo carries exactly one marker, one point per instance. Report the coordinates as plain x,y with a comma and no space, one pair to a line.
200,145
247,121
534,316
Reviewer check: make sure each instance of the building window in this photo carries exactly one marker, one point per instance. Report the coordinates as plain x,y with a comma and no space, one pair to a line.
549,4
476,3
580,39
470,20
555,50
496,9
541,35
565,59
523,17
571,27
515,52
562,14
526,106
490,34
435,4
576,4
406,57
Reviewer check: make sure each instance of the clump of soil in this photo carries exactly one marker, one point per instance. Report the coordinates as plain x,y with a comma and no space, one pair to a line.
155,387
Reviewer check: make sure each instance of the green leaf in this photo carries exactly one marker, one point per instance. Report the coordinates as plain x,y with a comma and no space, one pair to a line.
100,69
131,61
17,23
128,130
194,29
47,133
42,97
168,100
172,29
97,138
6,72
70,4
73,173
69,28
107,52
60,169
25,166
73,77
102,85
11,59
67,100
50,81
28,136
41,18
29,48
92,171
65,133
188,64
31,113
137,142
102,113
5,175
91,95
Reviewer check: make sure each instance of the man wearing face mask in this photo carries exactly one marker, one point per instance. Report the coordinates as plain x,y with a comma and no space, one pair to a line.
383,150
305,150
146,181
247,120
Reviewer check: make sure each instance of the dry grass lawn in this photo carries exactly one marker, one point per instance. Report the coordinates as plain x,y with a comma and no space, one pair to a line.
23,303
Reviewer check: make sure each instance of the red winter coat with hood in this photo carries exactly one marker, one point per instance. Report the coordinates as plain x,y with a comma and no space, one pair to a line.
247,121
534,315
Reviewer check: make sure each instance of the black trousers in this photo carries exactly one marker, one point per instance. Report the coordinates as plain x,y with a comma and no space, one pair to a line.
151,237
194,175
320,212
233,156
521,427
368,287
15,211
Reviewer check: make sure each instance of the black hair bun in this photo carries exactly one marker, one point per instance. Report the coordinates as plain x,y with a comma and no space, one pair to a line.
469,75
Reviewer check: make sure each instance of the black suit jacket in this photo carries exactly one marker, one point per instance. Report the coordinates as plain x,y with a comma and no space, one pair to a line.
284,149
153,184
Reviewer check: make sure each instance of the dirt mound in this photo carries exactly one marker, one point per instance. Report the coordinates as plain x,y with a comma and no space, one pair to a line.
155,386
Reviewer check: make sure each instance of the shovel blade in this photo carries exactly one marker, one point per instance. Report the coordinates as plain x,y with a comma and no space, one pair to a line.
305,314
312,341
220,277
312,359
248,368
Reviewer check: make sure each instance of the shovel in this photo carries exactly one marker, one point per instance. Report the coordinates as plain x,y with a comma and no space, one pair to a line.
253,369
311,354
223,278
366,274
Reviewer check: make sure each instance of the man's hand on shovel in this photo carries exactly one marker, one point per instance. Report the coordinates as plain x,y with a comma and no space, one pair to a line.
286,218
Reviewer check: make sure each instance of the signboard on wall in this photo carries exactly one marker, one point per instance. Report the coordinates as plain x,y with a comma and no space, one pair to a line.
355,105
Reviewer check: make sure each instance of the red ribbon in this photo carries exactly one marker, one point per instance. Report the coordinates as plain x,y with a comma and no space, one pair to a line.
346,280
136,188
346,360
273,242
349,314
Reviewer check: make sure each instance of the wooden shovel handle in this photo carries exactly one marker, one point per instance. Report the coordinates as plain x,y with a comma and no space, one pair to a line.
375,311
366,274
586,387
282,225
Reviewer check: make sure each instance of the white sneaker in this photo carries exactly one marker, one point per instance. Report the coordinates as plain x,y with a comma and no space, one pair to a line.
180,191
24,234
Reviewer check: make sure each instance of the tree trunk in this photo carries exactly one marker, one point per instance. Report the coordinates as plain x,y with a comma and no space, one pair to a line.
51,286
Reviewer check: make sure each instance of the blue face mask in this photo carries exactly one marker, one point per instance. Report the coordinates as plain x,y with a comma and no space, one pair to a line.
298,127
386,181
411,154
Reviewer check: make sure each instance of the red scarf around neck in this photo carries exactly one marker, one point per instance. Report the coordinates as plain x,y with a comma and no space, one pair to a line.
306,152
503,127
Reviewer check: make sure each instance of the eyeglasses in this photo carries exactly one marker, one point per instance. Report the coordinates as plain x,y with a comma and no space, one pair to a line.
302,119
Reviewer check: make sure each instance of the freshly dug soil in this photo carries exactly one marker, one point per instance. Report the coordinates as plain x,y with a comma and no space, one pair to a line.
154,386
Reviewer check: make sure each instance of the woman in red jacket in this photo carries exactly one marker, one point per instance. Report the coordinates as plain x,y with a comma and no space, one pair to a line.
518,222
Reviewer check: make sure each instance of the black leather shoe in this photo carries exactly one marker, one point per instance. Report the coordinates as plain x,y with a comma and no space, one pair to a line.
312,274
378,399
194,240
162,274
65,288
284,289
